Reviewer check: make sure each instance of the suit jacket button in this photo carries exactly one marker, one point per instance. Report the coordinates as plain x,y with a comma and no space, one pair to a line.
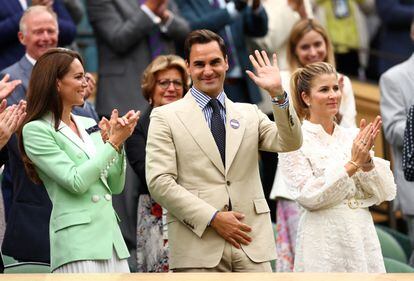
95,198
108,197
225,208
228,182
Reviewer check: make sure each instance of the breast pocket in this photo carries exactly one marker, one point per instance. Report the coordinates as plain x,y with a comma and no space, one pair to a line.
260,206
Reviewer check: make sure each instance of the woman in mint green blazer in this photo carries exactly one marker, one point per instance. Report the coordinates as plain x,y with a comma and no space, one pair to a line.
79,169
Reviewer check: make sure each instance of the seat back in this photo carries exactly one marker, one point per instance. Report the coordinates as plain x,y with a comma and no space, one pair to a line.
8,265
390,247
393,266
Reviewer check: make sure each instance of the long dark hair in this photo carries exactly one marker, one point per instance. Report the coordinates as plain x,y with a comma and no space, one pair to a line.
42,94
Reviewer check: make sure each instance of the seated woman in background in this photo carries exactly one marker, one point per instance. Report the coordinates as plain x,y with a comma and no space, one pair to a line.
165,80
308,43
79,170
335,178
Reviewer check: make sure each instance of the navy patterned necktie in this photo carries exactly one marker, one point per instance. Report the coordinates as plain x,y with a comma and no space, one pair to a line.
218,129
155,43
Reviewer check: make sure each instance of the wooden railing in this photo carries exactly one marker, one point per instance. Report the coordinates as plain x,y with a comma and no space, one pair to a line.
367,99
211,277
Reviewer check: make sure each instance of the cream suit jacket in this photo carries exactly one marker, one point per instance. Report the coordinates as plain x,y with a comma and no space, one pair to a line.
185,174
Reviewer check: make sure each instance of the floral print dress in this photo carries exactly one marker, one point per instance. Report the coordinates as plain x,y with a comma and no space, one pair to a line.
152,239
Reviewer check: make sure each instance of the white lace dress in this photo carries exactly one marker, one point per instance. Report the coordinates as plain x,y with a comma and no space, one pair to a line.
336,232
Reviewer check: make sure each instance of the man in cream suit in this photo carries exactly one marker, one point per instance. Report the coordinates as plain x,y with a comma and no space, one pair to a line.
202,163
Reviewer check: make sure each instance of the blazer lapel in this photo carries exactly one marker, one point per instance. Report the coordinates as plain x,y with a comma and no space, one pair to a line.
193,119
68,133
87,145
26,67
235,127
24,71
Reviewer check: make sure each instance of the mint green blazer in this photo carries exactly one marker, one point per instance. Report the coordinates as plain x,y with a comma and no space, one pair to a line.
80,176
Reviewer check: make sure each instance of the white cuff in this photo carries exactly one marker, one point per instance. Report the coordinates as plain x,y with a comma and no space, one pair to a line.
155,19
231,9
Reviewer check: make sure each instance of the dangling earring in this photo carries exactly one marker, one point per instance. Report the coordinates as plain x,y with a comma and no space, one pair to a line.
308,104
150,101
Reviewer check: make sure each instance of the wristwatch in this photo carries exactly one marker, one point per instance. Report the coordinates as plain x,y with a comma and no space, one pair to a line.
277,99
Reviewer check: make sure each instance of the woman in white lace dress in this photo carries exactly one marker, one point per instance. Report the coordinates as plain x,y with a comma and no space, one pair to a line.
308,42
335,178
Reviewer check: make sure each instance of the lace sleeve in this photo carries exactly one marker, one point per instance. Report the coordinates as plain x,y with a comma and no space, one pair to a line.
379,181
315,188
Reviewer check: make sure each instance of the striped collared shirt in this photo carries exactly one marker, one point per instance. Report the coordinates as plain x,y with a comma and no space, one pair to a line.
203,102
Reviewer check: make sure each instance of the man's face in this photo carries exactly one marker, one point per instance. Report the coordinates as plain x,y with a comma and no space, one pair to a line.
40,35
207,67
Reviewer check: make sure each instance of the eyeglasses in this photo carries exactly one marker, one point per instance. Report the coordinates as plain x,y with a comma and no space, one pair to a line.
164,84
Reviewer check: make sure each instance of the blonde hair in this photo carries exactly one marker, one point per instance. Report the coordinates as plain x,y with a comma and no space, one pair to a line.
301,82
299,30
161,63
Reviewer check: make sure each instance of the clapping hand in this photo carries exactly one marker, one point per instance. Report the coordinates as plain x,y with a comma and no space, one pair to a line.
7,87
364,142
158,7
267,74
120,128
105,127
11,118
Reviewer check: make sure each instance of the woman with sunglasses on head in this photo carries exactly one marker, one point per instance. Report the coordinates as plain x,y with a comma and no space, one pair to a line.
165,80
79,170
334,178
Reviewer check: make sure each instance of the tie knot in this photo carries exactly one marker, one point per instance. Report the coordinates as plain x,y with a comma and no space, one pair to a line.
215,104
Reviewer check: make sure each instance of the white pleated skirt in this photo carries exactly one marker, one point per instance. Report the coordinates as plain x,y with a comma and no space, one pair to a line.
113,265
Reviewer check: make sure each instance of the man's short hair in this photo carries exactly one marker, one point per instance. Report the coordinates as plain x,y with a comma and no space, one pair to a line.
202,36
34,9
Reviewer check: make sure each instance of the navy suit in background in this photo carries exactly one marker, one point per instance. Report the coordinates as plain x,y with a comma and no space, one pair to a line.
10,13
394,37
27,230
201,15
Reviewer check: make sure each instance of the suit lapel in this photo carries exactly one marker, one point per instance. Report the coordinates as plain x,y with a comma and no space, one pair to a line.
22,72
70,135
87,145
26,68
235,127
193,119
